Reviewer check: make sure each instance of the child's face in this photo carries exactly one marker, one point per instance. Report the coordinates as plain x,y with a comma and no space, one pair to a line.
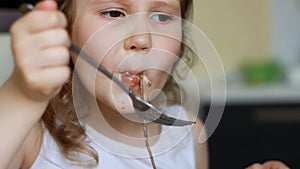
127,37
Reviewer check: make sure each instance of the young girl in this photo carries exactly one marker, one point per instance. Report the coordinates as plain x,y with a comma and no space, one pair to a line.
39,124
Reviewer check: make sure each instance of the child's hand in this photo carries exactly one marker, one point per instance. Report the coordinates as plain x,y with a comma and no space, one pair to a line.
40,46
269,165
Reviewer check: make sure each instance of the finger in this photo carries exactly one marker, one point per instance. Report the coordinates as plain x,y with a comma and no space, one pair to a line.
48,80
46,5
54,57
275,165
255,166
44,84
51,38
56,76
42,20
38,21
33,46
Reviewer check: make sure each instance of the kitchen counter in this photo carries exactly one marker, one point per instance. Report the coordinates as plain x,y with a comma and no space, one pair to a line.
268,94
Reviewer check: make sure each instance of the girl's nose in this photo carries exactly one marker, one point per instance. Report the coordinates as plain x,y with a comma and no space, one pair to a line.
138,42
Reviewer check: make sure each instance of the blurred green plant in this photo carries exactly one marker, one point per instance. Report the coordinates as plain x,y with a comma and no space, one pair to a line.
257,73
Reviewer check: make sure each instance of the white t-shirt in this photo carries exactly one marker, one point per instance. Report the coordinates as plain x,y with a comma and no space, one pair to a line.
174,149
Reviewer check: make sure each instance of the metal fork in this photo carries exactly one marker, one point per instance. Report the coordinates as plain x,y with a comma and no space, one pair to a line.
144,109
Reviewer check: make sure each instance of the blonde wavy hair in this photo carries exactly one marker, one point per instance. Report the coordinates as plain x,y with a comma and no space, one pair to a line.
60,117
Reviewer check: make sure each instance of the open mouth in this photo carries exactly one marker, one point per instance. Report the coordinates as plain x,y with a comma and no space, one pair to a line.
134,80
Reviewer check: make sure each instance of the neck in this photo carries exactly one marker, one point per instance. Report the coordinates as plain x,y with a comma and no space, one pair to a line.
131,125
123,129
112,124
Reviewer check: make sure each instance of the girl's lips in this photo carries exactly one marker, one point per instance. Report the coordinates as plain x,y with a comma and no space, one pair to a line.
130,80
134,80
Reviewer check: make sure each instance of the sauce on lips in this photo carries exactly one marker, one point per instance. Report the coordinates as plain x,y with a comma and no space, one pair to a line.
131,80
135,80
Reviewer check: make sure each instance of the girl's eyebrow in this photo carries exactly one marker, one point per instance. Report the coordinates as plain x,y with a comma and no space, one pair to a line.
170,4
156,3
172,7
125,2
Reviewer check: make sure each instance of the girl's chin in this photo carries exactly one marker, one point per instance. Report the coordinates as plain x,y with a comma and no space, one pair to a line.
123,110
129,114
123,105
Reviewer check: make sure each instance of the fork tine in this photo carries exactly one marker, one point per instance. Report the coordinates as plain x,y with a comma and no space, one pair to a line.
167,120
149,112
158,117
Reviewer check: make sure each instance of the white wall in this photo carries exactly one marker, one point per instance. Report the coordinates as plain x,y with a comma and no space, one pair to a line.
6,59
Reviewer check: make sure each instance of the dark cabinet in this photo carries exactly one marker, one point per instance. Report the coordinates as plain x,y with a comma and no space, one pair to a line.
255,133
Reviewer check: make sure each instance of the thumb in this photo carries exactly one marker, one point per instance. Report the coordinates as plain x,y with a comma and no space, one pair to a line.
47,5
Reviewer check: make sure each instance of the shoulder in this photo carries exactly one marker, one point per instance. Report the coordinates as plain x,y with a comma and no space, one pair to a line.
200,142
29,150
198,128
32,145
180,112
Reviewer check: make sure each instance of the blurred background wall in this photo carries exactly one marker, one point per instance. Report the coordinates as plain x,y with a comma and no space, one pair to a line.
259,44
247,32
239,29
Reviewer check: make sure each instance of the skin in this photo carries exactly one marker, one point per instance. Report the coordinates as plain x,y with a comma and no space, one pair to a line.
131,53
45,47
269,165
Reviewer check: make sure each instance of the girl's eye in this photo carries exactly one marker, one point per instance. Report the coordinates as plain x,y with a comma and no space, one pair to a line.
113,14
160,17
